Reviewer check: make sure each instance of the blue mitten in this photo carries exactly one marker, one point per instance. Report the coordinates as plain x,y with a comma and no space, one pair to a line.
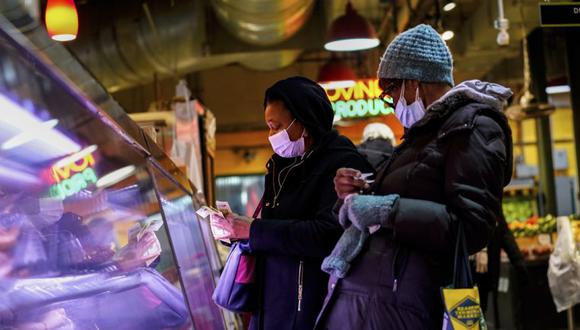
369,210
347,248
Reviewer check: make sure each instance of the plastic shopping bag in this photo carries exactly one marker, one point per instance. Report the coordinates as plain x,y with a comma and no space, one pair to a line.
564,268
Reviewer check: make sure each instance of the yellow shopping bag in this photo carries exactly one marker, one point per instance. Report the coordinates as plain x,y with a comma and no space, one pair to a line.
461,298
462,310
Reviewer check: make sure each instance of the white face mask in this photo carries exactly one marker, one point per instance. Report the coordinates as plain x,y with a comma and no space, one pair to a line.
284,147
409,114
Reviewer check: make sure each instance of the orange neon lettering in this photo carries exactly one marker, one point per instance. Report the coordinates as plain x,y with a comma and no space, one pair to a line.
364,90
88,160
333,95
60,174
63,173
346,93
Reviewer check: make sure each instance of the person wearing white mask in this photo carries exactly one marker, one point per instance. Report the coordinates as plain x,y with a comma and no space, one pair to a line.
297,227
455,159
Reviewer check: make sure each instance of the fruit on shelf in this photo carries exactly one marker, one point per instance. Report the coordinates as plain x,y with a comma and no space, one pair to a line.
533,226
518,208
541,250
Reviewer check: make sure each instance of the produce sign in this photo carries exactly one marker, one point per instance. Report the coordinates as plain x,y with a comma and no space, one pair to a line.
358,101
72,174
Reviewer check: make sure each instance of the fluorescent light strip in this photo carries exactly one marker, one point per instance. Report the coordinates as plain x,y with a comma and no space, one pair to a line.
116,176
346,45
11,174
75,157
558,89
338,84
29,135
17,117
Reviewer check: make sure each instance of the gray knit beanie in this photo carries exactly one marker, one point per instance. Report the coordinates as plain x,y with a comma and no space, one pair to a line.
419,54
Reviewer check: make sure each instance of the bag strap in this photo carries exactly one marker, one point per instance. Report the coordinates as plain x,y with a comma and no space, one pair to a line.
462,277
258,208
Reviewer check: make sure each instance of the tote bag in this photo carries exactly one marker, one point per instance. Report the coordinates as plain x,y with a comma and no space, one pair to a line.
236,288
461,298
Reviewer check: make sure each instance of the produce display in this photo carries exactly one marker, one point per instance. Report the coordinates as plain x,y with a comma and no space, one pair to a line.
575,222
518,208
533,226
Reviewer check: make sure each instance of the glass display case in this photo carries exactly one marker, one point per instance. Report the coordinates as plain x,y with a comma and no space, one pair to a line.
95,231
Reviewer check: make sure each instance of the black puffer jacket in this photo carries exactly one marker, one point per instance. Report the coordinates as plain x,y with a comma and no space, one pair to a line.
451,167
297,227
376,151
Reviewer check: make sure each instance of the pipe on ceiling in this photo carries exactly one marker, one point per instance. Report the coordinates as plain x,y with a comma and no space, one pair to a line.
128,52
263,22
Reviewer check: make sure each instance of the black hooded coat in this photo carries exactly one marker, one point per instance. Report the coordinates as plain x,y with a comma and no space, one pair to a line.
297,227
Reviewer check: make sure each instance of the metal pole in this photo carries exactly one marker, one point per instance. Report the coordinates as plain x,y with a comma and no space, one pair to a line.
570,315
573,56
538,75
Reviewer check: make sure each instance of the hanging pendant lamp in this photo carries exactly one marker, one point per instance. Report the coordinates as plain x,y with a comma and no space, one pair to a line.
526,105
61,19
336,74
351,32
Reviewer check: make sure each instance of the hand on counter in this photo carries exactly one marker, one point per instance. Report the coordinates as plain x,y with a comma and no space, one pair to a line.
139,253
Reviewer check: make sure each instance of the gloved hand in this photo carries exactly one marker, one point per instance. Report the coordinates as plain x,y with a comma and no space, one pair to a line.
364,211
233,226
347,248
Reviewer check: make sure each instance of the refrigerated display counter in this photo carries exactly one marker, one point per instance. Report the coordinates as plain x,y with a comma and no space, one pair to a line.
96,231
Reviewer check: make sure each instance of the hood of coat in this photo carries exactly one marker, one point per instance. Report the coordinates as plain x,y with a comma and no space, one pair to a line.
473,91
458,108
307,101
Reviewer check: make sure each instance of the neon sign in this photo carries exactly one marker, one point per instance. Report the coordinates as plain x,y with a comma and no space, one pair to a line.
358,101
73,174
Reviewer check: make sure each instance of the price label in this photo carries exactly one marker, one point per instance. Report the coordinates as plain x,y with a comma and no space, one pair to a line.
544,239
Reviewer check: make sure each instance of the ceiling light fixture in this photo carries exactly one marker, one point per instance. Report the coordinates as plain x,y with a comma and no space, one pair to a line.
448,35
351,32
62,20
560,89
336,74
449,5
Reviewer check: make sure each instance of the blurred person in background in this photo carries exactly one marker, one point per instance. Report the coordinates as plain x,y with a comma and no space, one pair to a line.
296,228
377,144
455,159
486,269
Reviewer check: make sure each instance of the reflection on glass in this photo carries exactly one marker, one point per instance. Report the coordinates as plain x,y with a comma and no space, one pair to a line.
191,253
242,192
75,254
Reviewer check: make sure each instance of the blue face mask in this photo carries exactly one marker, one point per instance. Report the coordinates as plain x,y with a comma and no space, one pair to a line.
409,114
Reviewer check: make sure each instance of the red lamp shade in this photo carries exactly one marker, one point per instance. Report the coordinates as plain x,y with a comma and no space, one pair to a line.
336,74
351,32
62,21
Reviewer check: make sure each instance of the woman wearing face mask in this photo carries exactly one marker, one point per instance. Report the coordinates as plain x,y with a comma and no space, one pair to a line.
451,167
296,228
